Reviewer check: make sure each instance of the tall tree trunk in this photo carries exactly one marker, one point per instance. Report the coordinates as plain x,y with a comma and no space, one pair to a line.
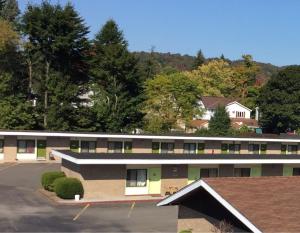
30,75
46,95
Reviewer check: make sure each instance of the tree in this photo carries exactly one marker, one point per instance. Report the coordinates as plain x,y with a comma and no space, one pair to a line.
57,36
199,60
219,123
8,37
9,10
115,81
170,100
279,102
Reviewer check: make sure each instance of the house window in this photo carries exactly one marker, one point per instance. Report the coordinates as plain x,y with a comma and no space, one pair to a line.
155,147
26,146
1,146
242,172
167,147
115,147
128,147
136,178
189,148
88,146
289,149
208,172
296,171
254,148
240,114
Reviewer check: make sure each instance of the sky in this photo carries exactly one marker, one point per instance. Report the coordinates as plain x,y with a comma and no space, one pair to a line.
269,30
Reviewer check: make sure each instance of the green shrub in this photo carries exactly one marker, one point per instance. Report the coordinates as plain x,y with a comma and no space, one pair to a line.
49,177
67,188
186,231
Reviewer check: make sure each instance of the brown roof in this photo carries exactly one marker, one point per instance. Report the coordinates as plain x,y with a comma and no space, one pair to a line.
272,204
198,123
238,122
212,102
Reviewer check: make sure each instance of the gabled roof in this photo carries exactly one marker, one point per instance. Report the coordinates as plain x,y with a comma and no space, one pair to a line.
263,204
212,102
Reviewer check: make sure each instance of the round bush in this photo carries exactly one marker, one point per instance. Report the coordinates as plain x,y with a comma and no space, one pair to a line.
49,177
67,188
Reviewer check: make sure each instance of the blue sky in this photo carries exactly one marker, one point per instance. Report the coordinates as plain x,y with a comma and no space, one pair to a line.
269,30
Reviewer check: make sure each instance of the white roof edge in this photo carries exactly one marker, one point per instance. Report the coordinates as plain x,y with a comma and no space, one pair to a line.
220,199
236,102
173,161
139,136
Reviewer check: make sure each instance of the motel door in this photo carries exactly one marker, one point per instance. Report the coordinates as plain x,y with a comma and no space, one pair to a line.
154,180
41,149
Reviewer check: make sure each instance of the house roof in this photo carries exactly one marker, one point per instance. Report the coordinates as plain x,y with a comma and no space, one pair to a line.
212,102
149,158
264,204
238,122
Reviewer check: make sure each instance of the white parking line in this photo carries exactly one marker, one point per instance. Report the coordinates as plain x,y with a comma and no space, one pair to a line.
80,212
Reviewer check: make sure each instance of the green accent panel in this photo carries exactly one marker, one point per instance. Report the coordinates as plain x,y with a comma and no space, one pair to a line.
201,148
41,148
255,171
128,147
193,174
224,148
287,170
154,180
74,146
155,147
263,148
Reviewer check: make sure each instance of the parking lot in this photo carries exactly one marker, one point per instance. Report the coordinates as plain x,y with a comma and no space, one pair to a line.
24,209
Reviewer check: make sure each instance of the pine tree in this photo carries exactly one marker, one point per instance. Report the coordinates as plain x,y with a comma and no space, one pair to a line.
199,60
115,81
9,10
57,36
219,123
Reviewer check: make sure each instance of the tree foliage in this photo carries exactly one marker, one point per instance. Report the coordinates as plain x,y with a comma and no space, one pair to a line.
170,100
219,123
279,101
199,60
9,10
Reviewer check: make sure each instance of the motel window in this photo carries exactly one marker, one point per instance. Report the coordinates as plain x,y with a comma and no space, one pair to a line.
296,171
115,147
88,146
254,148
1,145
230,148
242,172
189,148
209,172
201,148
26,146
136,178
128,147
167,148
155,147
289,149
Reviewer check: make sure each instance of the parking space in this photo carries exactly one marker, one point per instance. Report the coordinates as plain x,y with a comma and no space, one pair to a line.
22,208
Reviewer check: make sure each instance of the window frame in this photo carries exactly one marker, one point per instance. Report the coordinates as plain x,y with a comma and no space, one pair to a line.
1,146
128,185
242,171
26,141
209,171
90,149
189,150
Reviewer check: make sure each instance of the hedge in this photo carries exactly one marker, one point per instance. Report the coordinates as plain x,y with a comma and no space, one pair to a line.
67,188
49,177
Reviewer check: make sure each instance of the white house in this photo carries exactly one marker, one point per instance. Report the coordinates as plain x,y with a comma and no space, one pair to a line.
239,114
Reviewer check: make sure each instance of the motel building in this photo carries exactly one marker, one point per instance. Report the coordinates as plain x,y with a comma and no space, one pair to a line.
111,166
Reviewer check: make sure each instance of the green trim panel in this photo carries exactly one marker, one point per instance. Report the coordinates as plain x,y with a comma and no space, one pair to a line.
255,171
74,146
193,174
287,170
41,148
154,180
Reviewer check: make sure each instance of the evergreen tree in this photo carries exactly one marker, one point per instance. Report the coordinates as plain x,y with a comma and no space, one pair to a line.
199,60
219,123
57,37
115,81
279,102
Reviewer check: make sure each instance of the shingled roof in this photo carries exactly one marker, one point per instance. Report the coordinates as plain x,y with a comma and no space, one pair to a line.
269,204
212,102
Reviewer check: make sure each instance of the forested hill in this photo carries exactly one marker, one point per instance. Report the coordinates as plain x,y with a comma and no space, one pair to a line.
175,61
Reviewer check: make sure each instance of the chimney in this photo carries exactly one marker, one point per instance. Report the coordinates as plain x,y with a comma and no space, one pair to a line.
256,113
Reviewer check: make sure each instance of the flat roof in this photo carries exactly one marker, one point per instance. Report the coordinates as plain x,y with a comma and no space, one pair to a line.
143,158
171,136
